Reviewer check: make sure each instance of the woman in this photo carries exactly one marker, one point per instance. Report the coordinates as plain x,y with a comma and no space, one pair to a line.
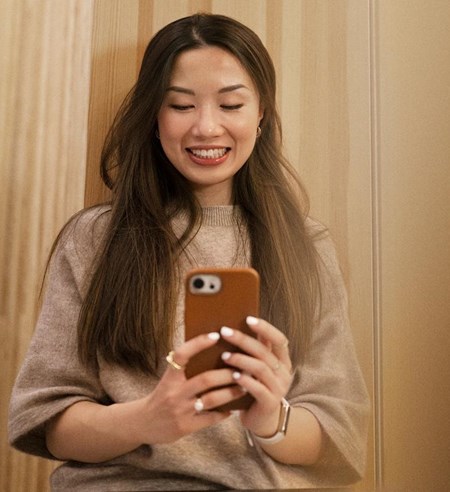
194,161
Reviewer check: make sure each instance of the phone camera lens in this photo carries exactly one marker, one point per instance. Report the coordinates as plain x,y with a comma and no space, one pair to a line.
198,283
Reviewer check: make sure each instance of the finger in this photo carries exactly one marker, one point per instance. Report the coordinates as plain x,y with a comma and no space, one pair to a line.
217,398
247,343
177,359
251,346
258,390
281,350
247,363
206,419
206,381
276,381
278,341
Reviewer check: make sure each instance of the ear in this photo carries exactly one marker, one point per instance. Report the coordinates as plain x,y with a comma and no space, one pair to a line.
260,114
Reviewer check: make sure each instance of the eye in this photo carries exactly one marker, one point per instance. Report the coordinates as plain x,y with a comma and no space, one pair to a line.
231,107
179,107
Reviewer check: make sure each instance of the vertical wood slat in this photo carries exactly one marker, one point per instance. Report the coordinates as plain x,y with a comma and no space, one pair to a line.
44,98
328,127
114,70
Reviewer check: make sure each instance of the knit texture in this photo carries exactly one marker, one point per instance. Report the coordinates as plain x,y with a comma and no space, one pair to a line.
51,379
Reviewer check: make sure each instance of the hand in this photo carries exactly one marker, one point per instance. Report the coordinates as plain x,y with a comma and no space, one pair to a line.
91,432
264,370
169,412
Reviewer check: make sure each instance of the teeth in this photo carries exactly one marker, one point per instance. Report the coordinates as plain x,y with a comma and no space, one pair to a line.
209,154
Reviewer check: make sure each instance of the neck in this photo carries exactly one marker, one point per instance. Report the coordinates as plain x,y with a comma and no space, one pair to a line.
212,196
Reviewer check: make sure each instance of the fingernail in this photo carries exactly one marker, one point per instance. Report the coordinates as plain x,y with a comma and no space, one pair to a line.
226,355
251,320
226,332
214,335
236,375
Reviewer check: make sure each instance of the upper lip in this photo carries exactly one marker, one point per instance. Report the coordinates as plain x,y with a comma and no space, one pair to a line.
207,147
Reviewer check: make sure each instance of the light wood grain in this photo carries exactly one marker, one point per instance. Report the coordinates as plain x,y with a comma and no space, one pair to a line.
45,48
328,135
114,70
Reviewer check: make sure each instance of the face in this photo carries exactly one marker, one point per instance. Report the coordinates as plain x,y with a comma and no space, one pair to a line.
208,121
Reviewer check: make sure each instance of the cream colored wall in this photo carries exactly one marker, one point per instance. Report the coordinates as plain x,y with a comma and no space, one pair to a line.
413,116
363,93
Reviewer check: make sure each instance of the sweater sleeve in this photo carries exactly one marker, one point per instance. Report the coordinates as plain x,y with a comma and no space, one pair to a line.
330,383
51,378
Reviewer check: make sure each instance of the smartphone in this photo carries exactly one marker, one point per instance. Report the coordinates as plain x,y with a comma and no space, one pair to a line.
217,297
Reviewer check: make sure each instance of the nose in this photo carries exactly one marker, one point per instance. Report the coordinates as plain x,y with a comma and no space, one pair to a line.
207,123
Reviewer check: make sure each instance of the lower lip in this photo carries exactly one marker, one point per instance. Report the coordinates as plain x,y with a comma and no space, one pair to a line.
208,162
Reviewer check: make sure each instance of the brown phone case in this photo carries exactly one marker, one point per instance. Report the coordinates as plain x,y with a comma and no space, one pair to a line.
237,298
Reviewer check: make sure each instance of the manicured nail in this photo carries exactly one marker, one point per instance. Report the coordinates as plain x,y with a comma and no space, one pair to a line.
226,355
214,336
236,375
251,320
226,332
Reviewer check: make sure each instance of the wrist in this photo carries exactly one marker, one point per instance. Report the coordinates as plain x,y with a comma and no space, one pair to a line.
269,426
282,425
125,424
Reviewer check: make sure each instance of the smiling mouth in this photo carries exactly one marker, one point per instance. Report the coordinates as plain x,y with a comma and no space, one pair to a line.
209,153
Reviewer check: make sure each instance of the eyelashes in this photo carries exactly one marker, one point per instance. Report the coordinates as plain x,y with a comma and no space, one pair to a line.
180,107
234,107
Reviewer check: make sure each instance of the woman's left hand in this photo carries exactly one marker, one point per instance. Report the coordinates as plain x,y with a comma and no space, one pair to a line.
264,370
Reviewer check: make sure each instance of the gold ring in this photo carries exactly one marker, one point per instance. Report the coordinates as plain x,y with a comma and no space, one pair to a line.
170,360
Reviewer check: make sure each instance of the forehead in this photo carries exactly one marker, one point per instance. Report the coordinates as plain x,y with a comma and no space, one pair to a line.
209,66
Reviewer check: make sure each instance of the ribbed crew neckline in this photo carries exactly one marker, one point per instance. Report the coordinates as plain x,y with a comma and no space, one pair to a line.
220,215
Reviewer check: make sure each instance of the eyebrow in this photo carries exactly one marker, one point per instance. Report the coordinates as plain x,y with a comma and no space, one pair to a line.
183,90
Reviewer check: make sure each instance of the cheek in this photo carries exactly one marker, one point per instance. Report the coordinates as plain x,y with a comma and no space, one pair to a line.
168,137
246,127
165,128
170,127
246,134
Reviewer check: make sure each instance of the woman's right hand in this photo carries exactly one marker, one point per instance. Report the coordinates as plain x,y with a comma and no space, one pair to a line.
169,412
90,432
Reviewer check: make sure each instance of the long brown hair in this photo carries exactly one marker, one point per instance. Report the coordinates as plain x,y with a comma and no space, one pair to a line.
127,317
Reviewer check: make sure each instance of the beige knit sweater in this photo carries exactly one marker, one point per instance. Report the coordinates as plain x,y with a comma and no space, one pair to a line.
217,458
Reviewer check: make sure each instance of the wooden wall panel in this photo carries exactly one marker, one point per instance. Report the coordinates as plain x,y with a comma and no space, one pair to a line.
328,131
364,98
45,60
414,160
252,13
114,70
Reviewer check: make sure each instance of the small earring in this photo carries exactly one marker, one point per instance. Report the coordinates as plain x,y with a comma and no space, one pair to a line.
258,132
